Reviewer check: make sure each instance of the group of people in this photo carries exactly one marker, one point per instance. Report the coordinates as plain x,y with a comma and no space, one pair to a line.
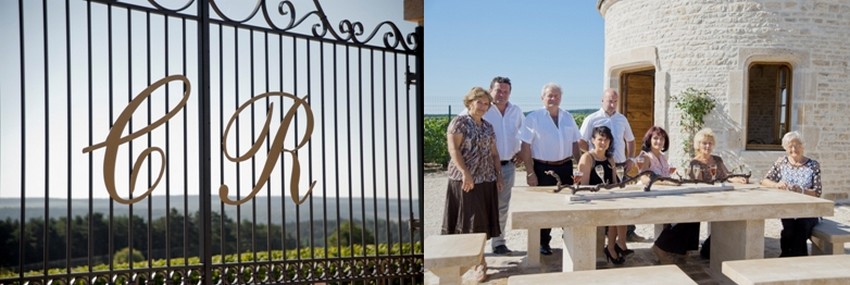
492,136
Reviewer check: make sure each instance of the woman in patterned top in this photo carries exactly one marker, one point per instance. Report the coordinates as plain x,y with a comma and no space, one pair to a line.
472,203
797,173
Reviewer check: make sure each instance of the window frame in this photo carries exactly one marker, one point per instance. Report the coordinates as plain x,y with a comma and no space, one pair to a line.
777,119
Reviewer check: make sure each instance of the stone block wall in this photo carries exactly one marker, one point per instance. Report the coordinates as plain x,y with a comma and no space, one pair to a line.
710,44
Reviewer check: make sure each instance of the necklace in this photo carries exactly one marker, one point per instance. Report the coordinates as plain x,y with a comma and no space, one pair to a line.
797,163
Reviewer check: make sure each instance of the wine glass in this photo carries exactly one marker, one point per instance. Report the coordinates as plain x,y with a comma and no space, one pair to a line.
639,160
600,171
577,174
696,172
672,170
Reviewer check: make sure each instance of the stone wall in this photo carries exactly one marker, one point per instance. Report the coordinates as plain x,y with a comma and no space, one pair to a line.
710,44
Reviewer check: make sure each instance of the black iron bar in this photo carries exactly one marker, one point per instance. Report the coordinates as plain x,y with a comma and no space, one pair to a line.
253,157
362,152
238,165
45,237
295,88
149,136
282,173
324,157
167,158
110,57
386,150
68,124
268,147
348,143
410,162
310,155
373,143
420,121
397,121
222,236
185,158
23,140
336,145
90,248
205,132
130,243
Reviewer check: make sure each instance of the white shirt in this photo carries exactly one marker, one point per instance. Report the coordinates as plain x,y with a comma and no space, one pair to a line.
506,127
620,129
549,142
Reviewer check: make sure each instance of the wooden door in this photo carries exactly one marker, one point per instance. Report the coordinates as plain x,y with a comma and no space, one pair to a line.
638,101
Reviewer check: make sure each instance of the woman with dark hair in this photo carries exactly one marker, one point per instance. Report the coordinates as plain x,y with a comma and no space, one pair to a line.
668,247
655,143
472,201
598,165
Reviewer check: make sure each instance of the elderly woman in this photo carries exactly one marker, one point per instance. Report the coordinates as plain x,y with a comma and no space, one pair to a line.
472,203
798,173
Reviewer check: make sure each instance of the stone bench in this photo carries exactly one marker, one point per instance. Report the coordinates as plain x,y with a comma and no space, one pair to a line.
449,256
820,269
642,275
829,236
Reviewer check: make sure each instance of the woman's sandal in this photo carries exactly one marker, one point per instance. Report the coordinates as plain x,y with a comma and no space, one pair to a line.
481,273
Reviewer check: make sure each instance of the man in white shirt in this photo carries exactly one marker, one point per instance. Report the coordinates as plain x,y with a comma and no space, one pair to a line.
506,119
623,142
549,142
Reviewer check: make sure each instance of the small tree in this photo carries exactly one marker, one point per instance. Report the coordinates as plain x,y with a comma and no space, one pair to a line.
123,256
695,105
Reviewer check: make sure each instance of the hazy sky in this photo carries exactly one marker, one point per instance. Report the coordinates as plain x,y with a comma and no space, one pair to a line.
467,43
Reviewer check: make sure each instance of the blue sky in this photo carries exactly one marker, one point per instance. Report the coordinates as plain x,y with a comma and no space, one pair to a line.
467,43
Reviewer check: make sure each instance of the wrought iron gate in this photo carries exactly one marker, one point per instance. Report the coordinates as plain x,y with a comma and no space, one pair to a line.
178,143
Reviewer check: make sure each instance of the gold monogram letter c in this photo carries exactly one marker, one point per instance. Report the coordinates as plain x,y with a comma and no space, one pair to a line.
114,140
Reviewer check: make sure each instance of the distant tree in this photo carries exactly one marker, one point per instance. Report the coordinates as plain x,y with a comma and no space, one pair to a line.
9,233
123,256
579,118
349,233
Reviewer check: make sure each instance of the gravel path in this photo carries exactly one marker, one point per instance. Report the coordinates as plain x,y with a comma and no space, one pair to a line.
500,267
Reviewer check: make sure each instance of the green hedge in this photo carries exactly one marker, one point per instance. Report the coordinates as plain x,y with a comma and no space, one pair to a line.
304,253
436,146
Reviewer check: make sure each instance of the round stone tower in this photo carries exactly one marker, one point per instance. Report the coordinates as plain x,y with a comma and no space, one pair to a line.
772,66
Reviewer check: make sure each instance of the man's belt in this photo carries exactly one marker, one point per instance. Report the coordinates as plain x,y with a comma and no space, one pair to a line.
554,163
504,162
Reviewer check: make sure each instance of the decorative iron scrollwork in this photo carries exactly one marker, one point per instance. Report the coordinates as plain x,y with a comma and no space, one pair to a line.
347,30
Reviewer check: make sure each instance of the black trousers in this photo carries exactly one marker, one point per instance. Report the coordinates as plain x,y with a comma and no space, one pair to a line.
565,172
679,238
795,232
